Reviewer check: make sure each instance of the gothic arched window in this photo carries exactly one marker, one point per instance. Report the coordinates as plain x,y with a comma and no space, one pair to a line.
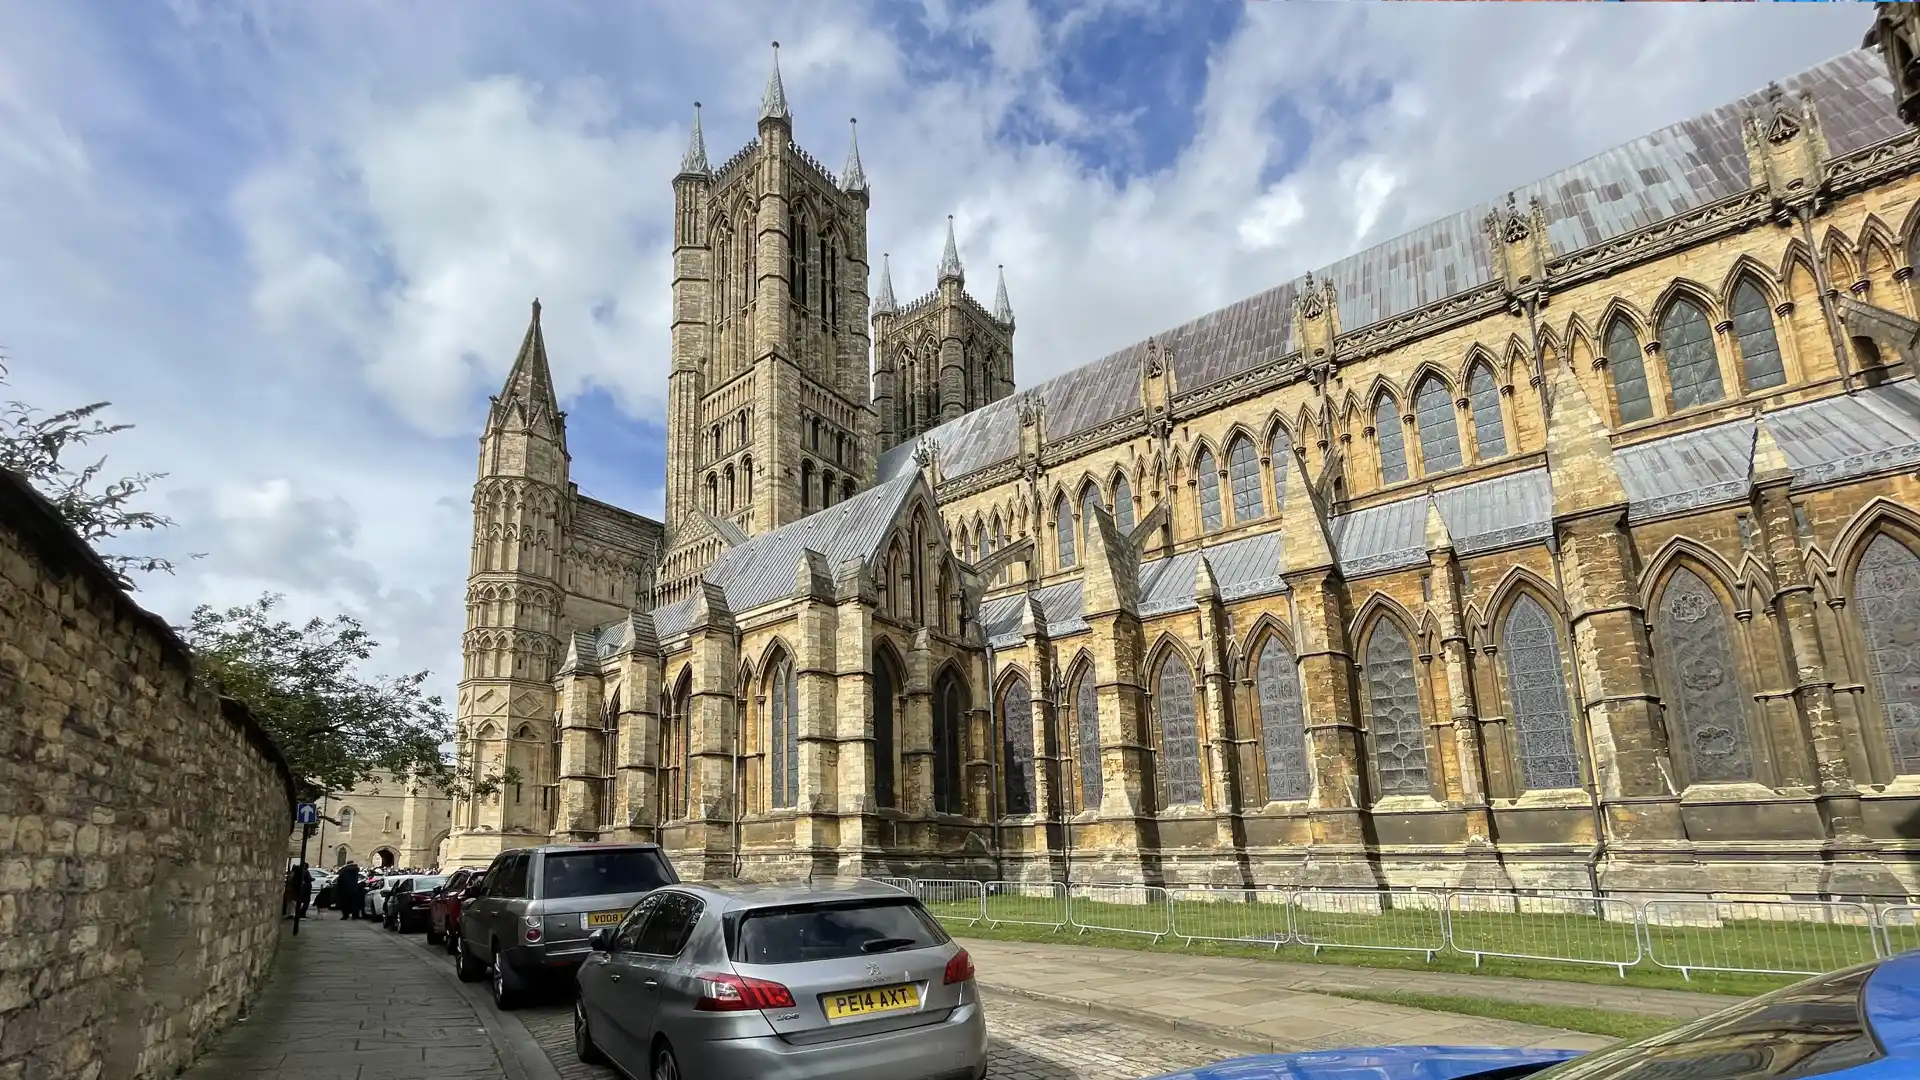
806,485
1393,706
1439,427
1753,331
1629,373
949,715
1063,531
1283,725
346,819
1122,503
1693,371
1886,590
1207,475
1280,454
1243,474
674,782
1089,498
884,690
1179,765
1016,732
797,262
1489,436
1086,737
1703,680
783,735
1390,439
1537,693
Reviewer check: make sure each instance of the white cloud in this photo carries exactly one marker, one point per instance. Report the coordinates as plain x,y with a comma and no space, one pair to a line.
296,242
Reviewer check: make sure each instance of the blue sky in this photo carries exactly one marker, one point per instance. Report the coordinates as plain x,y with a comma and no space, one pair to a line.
295,243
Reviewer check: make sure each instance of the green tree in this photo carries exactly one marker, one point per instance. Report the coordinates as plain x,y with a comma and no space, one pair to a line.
335,726
38,445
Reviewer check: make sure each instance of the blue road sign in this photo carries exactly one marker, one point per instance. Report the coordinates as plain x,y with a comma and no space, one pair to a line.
305,814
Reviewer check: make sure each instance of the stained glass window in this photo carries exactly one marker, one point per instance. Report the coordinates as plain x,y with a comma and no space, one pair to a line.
1629,373
1692,369
1392,441
1886,590
1280,453
1283,726
1753,329
1537,690
1489,437
1706,690
1393,702
783,735
1089,498
1207,475
1439,428
1086,712
883,739
1179,734
1016,726
1063,530
1122,503
1243,473
949,713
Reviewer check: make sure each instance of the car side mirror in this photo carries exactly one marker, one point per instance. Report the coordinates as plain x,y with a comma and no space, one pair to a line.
601,940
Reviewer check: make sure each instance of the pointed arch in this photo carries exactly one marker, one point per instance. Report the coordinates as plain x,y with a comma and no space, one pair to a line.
952,700
1842,258
1015,715
1701,669
1476,354
1681,549
1437,421
1883,579
1389,438
1086,779
1063,530
1176,715
1122,501
1687,345
1879,513
1533,664
1483,401
1519,360
1686,288
1206,483
1623,347
1090,498
782,692
1750,304
1519,579
1278,702
1243,476
1396,726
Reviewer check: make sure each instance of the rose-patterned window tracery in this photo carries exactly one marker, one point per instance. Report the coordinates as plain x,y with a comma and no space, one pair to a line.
1704,691
1537,691
1394,720
1086,709
1283,726
1886,590
1016,729
1179,734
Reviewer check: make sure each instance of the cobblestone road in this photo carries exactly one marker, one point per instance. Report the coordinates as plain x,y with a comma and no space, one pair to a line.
1031,1041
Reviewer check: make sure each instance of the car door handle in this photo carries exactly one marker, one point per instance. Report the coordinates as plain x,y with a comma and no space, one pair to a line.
613,977
651,982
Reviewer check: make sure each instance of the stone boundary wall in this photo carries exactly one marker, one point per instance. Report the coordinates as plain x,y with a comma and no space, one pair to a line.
143,823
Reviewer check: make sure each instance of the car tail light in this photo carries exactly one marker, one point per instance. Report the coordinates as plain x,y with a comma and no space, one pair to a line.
737,993
533,928
960,968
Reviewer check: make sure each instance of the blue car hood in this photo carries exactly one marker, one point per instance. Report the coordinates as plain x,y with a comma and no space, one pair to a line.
1374,1063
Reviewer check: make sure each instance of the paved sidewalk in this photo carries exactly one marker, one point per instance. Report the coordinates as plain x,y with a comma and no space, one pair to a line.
350,1001
1271,1004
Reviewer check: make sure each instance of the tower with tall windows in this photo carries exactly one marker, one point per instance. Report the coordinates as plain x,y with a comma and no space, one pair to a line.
769,414
938,356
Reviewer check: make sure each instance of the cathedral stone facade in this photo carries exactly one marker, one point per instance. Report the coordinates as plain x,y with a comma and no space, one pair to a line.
1571,541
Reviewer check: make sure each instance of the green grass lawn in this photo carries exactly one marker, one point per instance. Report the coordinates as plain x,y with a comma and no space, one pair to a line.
1416,939
1620,1025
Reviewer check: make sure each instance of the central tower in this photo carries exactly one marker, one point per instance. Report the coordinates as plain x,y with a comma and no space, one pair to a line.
769,411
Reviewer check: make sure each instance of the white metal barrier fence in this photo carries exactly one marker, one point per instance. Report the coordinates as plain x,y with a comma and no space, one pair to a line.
1770,937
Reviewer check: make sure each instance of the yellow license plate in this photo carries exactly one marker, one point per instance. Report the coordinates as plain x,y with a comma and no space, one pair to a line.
879,999
605,918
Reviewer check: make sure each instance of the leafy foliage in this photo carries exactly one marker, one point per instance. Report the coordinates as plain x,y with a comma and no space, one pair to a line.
36,445
336,727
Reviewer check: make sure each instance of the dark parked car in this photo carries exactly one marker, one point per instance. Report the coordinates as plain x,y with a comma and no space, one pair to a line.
443,911
535,907
406,902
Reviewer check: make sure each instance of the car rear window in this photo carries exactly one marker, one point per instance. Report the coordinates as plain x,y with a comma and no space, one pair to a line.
602,873
795,935
427,884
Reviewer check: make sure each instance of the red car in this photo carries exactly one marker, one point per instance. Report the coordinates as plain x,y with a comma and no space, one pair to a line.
443,915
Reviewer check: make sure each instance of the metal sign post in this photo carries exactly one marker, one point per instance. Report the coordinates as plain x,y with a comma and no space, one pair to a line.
307,816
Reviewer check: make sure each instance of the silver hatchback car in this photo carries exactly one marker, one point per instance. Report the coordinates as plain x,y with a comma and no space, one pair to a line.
780,982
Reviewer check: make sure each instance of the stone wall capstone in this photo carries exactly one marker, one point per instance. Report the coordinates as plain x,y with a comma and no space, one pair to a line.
143,823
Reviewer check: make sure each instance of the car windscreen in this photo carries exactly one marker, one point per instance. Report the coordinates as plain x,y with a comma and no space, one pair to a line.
602,873
833,931
1809,1029
427,884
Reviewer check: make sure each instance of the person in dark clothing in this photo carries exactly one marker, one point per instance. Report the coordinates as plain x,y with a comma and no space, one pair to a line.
349,891
302,889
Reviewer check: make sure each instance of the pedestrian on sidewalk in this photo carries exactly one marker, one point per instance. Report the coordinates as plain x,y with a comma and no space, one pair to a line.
302,889
347,891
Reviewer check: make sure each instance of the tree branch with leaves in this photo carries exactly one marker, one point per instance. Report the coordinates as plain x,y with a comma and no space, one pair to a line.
337,728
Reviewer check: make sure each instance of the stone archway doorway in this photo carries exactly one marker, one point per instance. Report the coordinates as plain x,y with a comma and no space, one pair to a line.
385,858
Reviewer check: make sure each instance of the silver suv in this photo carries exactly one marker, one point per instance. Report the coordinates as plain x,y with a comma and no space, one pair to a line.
535,907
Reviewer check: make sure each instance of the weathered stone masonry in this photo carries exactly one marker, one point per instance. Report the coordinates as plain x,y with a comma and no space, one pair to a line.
143,824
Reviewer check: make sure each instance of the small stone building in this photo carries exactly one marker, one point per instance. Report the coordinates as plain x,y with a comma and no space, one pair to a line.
381,822
1571,541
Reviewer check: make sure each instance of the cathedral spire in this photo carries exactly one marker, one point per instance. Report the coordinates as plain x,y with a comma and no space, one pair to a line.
883,300
530,381
950,258
1002,310
773,103
695,159
854,176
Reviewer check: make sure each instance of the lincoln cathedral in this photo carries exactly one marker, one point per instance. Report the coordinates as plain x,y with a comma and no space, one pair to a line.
1570,541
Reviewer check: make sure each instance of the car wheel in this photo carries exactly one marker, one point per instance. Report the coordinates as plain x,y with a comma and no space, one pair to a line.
465,966
664,1065
506,988
583,1047
453,940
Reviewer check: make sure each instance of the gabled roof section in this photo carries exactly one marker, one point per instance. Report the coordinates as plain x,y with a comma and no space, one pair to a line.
1671,171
